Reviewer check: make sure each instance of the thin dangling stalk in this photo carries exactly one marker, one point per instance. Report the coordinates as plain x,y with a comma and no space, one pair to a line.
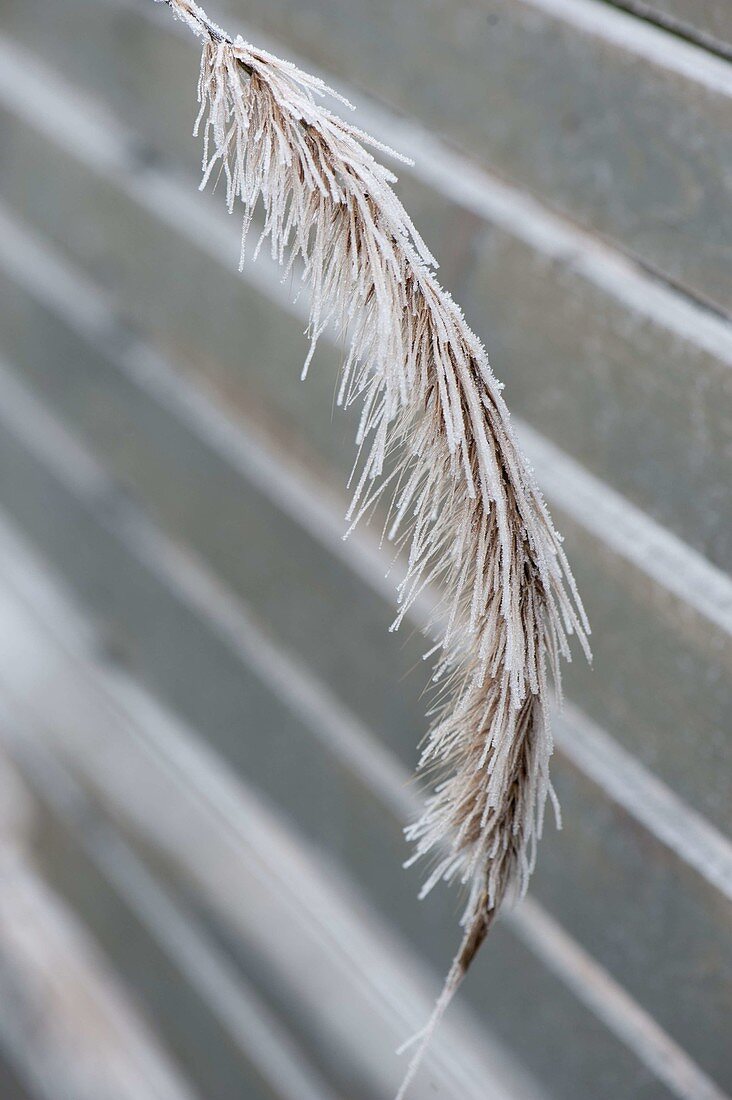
464,505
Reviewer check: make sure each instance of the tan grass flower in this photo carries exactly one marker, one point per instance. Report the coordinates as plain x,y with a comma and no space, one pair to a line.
435,441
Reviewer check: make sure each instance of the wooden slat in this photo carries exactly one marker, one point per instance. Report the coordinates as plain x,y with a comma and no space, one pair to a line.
629,376
626,587
195,768
70,1030
67,1024
288,909
222,1033
708,22
619,124
669,705
304,500
206,697
10,1082
68,893
686,662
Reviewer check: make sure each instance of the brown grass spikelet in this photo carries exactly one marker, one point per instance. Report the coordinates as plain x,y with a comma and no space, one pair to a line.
435,440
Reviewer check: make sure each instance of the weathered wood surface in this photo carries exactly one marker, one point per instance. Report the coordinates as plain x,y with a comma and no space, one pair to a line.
560,98
77,730
320,709
67,1022
221,1036
620,125
11,1083
640,393
708,22
199,824
284,576
677,726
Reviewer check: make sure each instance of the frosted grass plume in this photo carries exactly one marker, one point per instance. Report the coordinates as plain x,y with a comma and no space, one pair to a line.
435,445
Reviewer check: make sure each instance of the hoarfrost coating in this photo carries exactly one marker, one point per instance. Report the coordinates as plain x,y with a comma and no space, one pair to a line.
435,441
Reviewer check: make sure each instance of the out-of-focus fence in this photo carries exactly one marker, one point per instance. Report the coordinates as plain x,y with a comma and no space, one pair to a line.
206,728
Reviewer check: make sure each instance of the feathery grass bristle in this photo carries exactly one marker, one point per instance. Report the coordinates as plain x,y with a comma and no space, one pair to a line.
435,443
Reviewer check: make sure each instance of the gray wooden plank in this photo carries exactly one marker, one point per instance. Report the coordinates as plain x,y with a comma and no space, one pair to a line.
215,783
708,22
573,330
341,965
306,501
72,948
617,123
677,726
11,1085
159,650
628,399
214,1024
71,1028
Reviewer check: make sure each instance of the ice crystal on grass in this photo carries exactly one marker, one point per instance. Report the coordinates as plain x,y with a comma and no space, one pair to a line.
464,506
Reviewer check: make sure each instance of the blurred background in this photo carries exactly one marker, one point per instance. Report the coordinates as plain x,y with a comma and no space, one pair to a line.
206,730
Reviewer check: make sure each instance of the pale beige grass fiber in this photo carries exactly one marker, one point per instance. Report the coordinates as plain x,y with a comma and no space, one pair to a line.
435,443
